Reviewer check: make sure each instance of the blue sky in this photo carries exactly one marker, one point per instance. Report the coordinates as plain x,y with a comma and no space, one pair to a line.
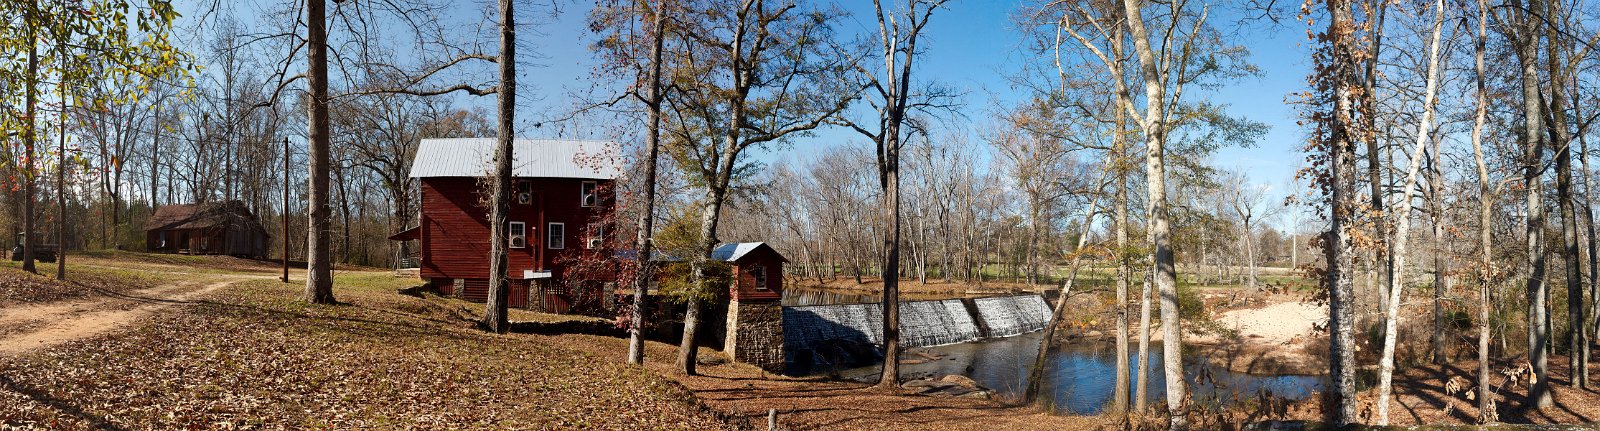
973,46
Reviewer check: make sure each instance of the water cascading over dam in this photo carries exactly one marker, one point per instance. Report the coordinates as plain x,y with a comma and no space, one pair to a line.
1006,316
831,336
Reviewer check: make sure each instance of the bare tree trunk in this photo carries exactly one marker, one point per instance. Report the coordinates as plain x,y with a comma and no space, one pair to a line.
495,313
891,261
155,160
1572,263
1250,257
898,42
1032,263
319,270
1041,359
1441,265
1486,408
1339,248
287,170
922,248
1165,275
1142,370
1588,218
1119,401
1369,94
1402,221
1533,155
647,220
689,345
1294,245
340,177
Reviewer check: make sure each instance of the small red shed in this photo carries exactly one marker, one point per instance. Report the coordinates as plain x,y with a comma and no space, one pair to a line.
754,321
757,270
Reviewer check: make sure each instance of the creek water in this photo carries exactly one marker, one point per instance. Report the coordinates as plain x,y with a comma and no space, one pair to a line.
1082,376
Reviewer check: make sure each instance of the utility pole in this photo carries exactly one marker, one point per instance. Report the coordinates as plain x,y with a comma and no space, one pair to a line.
61,191
285,215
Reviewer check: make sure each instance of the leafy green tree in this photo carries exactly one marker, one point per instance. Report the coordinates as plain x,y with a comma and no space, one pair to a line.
79,44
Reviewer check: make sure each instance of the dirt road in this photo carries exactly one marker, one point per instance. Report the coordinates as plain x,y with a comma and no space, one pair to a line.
30,327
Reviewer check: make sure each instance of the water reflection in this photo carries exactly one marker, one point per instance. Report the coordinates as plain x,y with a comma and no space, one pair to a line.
800,297
796,296
1082,376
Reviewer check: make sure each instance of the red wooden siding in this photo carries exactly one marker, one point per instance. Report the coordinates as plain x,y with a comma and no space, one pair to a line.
746,286
455,232
477,290
455,229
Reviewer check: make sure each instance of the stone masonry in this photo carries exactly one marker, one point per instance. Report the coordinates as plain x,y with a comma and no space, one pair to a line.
755,333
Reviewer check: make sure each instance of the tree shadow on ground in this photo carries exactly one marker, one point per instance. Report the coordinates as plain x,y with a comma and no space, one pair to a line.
63,406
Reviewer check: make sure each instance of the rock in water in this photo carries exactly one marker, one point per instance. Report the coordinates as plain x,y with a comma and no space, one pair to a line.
960,380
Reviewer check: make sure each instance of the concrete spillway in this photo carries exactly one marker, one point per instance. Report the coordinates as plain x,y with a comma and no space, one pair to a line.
830,336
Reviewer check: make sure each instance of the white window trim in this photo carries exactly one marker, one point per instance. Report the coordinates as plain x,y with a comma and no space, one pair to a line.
511,228
594,190
552,234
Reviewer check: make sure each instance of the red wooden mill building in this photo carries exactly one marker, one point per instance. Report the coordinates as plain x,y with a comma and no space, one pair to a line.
561,201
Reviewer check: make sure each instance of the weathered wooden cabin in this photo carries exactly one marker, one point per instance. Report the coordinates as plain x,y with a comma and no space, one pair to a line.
561,201
210,228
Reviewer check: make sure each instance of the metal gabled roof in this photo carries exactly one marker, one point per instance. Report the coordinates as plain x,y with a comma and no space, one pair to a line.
725,252
733,251
532,158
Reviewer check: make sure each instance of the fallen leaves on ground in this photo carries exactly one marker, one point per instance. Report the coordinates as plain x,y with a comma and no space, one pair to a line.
20,287
252,357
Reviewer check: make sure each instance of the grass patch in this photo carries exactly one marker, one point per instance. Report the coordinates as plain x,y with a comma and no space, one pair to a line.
18,286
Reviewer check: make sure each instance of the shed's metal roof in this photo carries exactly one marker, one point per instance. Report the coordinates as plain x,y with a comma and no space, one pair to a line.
726,252
532,158
733,251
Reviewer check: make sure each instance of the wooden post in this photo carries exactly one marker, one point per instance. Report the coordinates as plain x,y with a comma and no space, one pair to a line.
285,215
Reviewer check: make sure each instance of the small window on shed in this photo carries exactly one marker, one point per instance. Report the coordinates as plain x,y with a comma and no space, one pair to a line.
556,236
590,196
759,273
517,234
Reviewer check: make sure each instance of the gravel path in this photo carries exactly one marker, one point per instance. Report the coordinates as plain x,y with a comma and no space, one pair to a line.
55,323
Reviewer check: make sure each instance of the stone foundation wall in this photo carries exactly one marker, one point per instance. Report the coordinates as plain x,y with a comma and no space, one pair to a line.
755,333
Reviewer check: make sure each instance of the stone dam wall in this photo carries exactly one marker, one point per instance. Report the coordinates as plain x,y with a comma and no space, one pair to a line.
834,336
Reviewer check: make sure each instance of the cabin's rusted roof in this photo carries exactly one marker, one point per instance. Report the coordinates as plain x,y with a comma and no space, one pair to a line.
200,216
531,158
